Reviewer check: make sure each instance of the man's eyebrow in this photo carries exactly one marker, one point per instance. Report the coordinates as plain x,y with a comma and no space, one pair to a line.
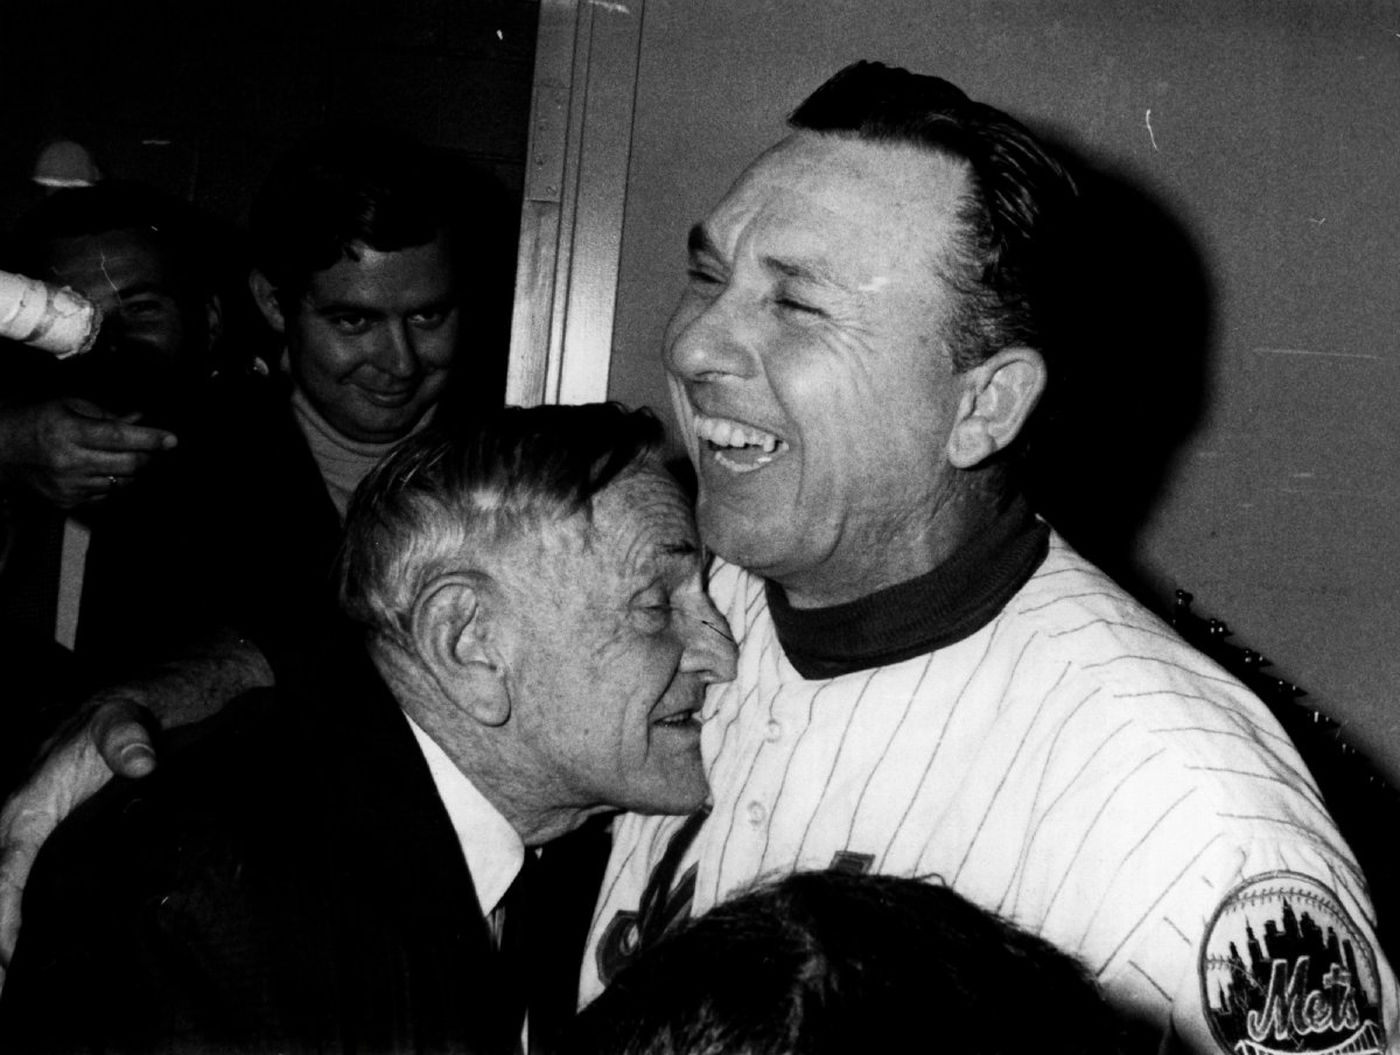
347,307
802,271
447,300
700,243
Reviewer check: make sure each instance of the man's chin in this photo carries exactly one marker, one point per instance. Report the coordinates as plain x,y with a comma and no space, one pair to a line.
380,426
756,545
676,793
671,806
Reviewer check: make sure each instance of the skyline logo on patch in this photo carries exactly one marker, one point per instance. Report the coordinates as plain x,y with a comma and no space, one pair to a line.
1285,970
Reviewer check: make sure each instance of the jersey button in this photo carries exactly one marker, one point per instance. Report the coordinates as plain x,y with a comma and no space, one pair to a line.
775,731
757,814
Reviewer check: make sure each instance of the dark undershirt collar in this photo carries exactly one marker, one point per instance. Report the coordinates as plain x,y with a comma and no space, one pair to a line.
913,618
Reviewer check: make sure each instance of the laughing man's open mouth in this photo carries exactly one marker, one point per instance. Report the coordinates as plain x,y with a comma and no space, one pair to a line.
738,447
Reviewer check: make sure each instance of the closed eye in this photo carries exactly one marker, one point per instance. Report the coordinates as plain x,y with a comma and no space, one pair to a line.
801,307
652,609
704,259
702,277
791,304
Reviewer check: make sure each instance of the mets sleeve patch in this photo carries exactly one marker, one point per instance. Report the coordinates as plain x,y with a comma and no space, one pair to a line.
1284,969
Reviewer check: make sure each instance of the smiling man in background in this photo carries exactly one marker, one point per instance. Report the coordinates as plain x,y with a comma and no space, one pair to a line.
931,682
366,252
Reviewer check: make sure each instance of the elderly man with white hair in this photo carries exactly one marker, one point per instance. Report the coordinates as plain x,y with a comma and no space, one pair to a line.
352,863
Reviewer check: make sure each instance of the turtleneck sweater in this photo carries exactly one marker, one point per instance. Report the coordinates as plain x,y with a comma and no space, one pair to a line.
343,462
915,617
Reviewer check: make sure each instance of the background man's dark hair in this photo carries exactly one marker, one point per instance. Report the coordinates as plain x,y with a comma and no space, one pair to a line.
825,962
1004,264
174,229
478,482
363,186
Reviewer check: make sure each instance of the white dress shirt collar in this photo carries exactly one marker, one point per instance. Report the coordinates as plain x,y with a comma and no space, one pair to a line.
491,846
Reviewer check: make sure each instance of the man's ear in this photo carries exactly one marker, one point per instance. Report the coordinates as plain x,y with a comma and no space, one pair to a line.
997,399
265,297
453,638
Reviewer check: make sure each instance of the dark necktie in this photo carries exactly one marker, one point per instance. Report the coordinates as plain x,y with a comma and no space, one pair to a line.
547,911
517,939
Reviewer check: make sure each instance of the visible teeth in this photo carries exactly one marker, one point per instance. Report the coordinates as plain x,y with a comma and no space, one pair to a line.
723,432
738,467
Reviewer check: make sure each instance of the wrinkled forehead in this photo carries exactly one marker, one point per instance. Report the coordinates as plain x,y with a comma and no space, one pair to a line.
390,279
810,181
644,521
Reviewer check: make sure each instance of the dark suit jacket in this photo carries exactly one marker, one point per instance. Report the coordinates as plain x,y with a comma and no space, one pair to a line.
234,529
247,538
291,882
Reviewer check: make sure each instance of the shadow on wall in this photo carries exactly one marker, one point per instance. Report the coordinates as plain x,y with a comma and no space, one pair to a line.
488,224
1135,321
1136,318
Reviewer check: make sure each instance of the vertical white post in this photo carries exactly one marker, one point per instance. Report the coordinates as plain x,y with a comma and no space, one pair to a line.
575,194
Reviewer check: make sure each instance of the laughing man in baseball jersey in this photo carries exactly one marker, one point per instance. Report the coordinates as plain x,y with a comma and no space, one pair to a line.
931,682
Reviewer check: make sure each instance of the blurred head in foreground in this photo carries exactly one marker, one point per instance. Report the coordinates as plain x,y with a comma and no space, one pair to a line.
827,962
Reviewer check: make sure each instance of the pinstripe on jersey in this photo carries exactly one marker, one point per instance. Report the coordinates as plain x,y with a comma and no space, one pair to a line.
1073,766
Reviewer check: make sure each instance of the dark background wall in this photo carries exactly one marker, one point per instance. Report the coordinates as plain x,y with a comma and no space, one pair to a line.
199,97
1235,429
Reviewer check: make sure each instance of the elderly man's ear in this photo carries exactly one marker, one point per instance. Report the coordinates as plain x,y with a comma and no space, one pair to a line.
454,638
997,398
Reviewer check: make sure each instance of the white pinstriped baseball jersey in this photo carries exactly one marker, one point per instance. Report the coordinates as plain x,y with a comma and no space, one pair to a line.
1072,766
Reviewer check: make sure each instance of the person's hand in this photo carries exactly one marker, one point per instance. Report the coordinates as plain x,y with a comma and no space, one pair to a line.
111,737
73,452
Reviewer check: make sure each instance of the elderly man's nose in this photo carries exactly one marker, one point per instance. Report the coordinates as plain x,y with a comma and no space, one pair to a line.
710,650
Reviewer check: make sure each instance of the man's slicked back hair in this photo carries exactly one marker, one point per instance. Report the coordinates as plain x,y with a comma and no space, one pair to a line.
1012,220
451,491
